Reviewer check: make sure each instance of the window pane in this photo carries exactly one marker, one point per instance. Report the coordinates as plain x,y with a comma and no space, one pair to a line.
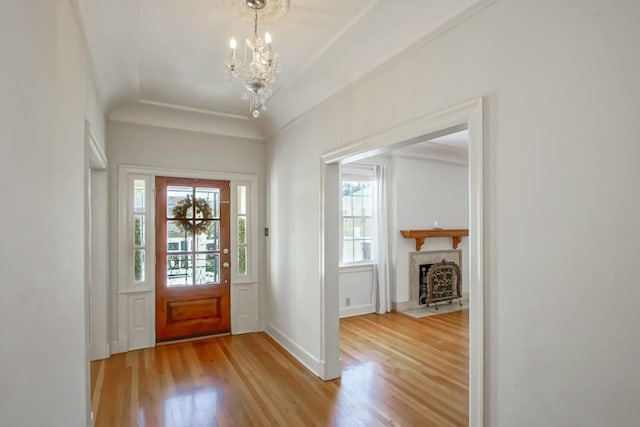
242,230
357,216
209,239
357,250
351,187
367,205
179,203
368,224
138,195
366,250
358,227
357,205
242,200
347,209
347,251
207,202
347,227
367,188
242,260
207,269
138,230
138,265
176,235
179,270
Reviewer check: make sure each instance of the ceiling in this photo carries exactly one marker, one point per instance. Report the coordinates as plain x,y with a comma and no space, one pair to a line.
453,147
170,54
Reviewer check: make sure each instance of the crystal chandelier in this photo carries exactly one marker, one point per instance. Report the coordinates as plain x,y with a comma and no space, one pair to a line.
260,63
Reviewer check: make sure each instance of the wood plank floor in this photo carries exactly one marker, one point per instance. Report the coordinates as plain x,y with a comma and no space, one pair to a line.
397,371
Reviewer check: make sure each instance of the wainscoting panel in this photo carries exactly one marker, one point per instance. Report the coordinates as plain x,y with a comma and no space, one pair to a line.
356,290
244,308
139,325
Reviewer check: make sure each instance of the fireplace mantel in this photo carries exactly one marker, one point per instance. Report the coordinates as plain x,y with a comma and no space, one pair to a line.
421,235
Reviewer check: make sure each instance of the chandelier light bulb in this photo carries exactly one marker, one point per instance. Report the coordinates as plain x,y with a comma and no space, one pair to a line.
267,38
232,43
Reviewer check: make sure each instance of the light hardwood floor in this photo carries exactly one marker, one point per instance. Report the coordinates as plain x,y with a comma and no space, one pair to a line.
397,371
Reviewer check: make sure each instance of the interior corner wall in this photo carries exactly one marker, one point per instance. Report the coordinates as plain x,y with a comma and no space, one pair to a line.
150,146
559,81
423,191
45,87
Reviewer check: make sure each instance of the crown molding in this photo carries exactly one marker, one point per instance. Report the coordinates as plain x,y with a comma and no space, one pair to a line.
184,118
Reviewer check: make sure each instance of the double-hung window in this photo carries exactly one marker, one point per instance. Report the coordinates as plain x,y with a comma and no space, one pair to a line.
358,214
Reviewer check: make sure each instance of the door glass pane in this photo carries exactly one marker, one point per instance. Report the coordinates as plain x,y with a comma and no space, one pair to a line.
209,239
138,230
208,202
179,203
179,270
207,269
138,265
177,238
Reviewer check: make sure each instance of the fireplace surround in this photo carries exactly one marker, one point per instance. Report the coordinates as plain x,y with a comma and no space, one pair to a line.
417,259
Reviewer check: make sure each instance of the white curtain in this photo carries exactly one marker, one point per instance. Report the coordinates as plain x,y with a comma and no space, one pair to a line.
382,292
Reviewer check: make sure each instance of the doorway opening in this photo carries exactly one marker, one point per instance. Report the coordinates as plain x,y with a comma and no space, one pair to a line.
465,116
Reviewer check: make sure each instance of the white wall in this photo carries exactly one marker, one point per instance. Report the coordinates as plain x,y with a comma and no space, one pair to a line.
142,145
423,191
99,298
356,284
561,199
44,375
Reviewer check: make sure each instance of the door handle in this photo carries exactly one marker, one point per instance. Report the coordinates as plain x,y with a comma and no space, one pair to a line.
225,264
225,251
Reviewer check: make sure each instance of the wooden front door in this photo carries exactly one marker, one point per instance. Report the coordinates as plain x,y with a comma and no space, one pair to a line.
192,257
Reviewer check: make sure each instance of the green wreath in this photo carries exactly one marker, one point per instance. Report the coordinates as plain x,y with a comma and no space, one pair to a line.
186,224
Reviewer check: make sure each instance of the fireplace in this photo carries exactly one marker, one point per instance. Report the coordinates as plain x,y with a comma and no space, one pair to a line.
420,264
439,282
423,287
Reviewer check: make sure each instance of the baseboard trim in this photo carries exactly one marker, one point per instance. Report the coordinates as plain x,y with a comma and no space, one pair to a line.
113,348
400,306
356,310
296,350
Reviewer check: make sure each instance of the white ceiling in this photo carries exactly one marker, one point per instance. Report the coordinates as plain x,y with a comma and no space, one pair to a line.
456,140
453,147
169,53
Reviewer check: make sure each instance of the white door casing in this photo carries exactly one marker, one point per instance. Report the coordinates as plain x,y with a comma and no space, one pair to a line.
469,114
135,302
